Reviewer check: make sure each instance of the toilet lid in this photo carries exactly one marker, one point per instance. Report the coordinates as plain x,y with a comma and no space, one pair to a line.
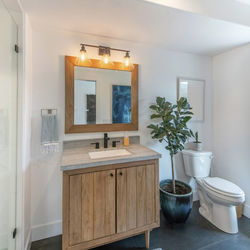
223,186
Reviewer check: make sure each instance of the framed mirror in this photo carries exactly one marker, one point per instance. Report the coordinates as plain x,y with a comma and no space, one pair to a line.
100,97
194,91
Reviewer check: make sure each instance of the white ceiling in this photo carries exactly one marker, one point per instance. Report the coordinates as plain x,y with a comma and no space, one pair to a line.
244,1
236,11
12,5
139,21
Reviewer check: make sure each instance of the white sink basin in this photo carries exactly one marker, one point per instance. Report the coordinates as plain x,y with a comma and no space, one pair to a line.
108,153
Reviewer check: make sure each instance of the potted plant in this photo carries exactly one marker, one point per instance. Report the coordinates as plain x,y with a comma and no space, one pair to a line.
176,197
197,143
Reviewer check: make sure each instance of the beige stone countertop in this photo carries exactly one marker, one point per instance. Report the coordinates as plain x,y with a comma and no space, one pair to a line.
76,158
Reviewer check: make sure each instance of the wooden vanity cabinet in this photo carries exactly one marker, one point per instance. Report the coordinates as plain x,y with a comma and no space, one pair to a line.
109,203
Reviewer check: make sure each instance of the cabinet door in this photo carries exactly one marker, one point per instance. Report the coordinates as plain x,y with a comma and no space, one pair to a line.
92,206
136,197
104,203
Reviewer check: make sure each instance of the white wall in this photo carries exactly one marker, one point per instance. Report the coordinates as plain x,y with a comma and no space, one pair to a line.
24,132
27,106
231,105
158,72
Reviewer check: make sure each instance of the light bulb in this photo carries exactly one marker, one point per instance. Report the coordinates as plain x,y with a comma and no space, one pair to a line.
83,53
106,58
127,59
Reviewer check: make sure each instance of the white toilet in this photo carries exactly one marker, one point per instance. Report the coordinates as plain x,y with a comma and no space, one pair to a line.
218,197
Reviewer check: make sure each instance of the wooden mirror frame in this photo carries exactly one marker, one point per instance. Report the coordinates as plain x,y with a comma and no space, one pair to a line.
70,127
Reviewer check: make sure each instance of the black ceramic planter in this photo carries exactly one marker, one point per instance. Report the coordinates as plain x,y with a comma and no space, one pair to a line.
176,208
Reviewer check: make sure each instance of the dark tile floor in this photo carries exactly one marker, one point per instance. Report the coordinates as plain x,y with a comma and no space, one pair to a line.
195,234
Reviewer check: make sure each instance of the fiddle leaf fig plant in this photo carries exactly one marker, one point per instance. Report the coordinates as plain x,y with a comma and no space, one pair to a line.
171,126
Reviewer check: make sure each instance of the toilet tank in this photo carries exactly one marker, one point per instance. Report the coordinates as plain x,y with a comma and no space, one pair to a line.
197,163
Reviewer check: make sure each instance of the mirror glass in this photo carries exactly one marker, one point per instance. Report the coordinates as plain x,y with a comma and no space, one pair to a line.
193,90
101,96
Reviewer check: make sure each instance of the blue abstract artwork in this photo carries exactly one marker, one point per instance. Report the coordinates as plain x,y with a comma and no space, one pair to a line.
121,104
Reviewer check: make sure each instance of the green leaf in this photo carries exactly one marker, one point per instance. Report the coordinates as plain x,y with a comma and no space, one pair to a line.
152,126
153,116
187,113
191,132
160,101
153,107
187,118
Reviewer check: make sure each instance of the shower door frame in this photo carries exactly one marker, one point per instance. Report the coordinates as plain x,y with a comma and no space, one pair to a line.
12,111
23,163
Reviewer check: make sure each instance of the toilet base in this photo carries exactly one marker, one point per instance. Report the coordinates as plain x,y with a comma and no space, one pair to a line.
223,217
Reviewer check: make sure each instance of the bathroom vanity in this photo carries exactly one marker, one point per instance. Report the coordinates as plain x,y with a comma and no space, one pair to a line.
108,193
108,196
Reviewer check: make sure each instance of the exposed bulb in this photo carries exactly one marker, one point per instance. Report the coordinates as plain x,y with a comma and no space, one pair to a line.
83,53
106,58
127,59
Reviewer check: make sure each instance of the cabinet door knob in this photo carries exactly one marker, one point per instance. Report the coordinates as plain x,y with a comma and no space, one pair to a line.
111,175
120,173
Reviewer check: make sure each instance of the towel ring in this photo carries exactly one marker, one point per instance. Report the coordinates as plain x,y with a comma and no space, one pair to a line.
48,112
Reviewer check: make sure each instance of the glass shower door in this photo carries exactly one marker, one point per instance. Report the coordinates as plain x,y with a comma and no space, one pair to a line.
8,128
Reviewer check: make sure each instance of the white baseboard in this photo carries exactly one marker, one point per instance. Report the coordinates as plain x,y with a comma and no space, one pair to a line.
246,211
28,242
55,228
46,230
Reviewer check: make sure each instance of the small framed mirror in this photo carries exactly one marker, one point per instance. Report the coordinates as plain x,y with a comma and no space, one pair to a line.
100,97
194,91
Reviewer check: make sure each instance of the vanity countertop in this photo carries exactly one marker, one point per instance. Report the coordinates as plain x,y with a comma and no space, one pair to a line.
76,158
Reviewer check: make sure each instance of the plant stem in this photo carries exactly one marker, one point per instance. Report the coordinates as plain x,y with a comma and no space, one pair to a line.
173,178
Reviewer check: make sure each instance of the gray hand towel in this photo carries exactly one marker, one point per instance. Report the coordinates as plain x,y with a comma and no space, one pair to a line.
49,133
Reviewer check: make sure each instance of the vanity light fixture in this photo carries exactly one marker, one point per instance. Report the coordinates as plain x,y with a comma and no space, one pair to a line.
105,52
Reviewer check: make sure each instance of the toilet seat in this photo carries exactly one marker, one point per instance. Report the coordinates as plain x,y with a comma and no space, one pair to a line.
219,196
223,187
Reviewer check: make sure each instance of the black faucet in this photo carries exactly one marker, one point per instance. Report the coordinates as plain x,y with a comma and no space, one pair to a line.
106,140
114,143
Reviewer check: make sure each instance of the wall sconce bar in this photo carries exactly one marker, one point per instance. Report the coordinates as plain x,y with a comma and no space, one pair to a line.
103,47
105,52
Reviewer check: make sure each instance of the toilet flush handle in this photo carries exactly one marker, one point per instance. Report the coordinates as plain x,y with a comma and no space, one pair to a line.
211,157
